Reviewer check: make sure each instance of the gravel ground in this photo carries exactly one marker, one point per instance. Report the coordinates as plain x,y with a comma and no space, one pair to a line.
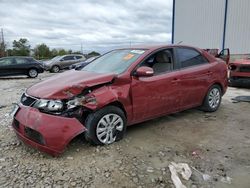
216,144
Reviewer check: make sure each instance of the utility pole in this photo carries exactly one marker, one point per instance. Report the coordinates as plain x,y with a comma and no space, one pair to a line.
81,48
2,45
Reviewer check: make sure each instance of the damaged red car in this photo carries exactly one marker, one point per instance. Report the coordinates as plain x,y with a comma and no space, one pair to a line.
121,88
239,74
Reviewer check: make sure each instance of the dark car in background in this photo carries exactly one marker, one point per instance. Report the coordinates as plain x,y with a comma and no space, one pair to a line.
62,62
10,66
83,63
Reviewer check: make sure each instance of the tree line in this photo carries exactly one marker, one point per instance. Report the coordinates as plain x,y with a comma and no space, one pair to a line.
21,47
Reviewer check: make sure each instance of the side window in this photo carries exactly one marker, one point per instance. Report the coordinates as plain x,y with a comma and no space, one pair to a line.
21,61
68,58
160,62
4,62
188,57
78,57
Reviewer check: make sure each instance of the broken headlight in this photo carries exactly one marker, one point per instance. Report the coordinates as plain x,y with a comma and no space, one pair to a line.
49,105
80,101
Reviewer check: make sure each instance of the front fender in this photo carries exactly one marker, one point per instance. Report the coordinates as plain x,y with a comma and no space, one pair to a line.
110,94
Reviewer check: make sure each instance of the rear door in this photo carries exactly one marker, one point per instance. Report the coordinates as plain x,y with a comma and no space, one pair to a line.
78,58
22,65
7,67
196,72
67,61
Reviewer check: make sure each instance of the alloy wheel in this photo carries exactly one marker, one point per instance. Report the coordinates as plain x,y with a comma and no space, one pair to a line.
55,69
214,98
33,73
107,128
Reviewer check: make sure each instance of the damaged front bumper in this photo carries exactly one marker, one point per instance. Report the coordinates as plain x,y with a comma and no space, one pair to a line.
45,132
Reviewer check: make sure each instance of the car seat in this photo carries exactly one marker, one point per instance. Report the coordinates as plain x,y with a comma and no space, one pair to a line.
163,62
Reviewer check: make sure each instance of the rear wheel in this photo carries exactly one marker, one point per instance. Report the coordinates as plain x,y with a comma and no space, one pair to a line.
55,68
105,126
213,99
32,73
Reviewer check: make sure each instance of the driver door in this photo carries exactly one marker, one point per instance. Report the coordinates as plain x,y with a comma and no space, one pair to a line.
155,96
224,55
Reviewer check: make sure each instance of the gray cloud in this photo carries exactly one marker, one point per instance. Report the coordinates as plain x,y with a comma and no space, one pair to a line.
97,24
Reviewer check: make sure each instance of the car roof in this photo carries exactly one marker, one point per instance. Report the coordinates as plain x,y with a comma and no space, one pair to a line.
72,54
155,47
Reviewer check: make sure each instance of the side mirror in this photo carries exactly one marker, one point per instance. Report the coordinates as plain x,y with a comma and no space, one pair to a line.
144,71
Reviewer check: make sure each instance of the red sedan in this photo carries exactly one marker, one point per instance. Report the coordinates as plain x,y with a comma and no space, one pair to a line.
120,88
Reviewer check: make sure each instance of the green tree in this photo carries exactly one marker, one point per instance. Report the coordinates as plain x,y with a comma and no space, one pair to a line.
62,52
9,52
21,47
93,53
70,51
53,52
42,51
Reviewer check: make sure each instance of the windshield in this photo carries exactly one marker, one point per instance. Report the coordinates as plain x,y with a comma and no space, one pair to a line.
54,58
116,61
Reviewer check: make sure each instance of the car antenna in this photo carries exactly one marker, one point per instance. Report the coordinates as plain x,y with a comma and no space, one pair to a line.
180,42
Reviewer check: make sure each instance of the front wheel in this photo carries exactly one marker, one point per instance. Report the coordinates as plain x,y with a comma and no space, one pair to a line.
105,126
55,69
213,99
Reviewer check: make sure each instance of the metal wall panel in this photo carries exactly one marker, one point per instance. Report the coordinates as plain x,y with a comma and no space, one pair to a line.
199,23
238,26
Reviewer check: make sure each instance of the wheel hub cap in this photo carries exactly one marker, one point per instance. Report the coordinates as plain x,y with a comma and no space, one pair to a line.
107,128
214,98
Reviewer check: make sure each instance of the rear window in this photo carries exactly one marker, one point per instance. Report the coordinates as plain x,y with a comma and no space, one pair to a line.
21,60
66,58
6,61
78,57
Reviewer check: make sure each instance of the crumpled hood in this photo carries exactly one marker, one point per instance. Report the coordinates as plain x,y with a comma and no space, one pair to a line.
67,84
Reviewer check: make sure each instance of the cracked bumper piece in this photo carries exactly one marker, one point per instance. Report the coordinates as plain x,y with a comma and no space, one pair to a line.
45,132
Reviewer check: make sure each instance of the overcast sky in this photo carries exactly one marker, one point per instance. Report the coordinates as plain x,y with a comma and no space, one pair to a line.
97,24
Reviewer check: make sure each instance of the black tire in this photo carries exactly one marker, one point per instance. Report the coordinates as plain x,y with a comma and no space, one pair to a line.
93,122
55,69
209,105
32,73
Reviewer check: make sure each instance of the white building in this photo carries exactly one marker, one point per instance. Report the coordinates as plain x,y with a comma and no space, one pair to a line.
212,24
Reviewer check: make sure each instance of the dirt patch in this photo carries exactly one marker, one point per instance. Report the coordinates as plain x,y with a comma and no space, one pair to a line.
216,144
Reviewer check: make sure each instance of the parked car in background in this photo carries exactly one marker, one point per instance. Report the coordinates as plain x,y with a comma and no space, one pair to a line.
16,65
120,88
239,73
62,62
83,63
